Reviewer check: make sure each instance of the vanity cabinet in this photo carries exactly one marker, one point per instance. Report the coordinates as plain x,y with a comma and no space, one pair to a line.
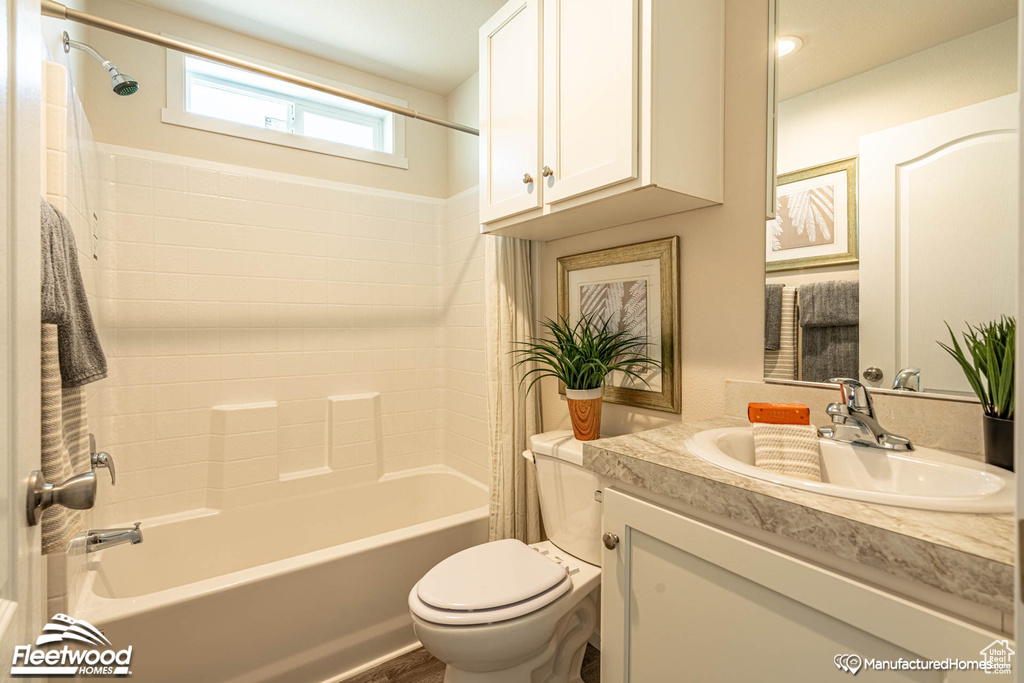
684,600
595,113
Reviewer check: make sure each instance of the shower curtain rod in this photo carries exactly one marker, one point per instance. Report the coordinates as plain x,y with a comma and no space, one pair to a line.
55,9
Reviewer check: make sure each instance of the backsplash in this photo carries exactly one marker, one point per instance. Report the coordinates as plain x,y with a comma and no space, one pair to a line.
945,423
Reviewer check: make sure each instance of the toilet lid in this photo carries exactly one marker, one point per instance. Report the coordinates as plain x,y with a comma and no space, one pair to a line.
490,576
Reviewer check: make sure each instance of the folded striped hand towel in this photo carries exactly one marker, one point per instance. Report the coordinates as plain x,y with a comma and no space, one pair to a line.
791,450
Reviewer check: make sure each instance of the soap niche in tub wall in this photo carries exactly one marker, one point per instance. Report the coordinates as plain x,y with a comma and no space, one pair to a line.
256,453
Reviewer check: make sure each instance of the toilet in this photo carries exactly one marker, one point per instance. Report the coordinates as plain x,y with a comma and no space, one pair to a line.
507,612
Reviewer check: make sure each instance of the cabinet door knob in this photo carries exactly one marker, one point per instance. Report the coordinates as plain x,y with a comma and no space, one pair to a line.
527,179
546,171
611,541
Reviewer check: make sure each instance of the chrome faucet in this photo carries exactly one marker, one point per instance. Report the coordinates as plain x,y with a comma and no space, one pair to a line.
99,539
854,421
907,379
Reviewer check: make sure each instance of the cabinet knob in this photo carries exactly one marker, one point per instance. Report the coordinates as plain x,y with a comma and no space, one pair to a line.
611,541
546,171
527,179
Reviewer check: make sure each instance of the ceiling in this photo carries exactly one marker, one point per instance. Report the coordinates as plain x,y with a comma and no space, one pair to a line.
844,38
429,44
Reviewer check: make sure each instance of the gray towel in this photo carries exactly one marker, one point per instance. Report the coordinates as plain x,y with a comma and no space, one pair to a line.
772,316
64,302
832,303
829,315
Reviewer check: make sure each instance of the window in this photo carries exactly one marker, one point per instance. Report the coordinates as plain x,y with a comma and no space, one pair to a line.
240,103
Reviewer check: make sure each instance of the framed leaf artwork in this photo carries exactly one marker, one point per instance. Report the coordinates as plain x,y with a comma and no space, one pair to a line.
632,288
815,220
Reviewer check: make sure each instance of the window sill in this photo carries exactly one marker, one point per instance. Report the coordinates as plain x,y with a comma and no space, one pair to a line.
276,137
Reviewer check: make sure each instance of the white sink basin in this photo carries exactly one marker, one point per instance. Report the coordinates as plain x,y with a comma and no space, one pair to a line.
924,478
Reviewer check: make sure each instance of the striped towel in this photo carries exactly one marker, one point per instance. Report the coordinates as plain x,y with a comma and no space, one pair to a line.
791,450
781,363
65,442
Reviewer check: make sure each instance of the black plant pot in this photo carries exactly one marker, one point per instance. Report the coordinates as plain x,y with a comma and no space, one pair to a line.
999,442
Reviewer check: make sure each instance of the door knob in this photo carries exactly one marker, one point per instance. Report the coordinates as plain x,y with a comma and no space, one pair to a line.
77,493
546,171
611,541
873,374
527,179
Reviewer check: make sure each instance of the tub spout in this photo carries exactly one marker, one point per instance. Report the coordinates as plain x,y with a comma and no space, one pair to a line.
98,539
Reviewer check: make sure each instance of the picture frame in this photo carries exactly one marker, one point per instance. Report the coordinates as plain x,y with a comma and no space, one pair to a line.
635,286
816,216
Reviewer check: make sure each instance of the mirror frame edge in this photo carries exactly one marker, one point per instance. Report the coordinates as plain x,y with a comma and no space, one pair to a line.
772,126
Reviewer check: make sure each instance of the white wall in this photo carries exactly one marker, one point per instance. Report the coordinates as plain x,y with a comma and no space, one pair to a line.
135,121
463,149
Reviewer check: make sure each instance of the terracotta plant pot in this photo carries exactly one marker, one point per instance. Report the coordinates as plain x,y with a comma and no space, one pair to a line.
585,412
998,442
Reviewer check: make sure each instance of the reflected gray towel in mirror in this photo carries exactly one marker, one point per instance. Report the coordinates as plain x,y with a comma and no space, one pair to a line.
832,303
772,316
829,316
64,302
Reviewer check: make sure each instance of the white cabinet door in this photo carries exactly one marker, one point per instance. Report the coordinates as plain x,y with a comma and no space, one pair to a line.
685,601
938,209
510,47
591,56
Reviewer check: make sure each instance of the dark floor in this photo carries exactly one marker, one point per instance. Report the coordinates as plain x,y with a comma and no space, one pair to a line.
419,666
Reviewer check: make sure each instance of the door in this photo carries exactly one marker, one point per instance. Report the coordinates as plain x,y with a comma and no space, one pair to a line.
685,601
938,202
591,90
21,602
510,111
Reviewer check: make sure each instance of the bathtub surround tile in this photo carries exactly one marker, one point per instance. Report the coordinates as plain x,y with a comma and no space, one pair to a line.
967,556
237,287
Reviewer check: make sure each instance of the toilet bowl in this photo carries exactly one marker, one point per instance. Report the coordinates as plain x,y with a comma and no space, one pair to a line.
507,612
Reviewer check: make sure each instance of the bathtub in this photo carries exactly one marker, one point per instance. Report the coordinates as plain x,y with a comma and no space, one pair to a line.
306,589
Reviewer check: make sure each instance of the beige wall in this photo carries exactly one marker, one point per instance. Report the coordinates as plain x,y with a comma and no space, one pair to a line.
722,250
135,121
463,149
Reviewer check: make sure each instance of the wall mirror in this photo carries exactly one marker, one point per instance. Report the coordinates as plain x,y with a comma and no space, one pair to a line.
896,174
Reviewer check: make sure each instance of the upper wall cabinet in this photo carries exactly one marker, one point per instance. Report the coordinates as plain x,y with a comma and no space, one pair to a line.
596,113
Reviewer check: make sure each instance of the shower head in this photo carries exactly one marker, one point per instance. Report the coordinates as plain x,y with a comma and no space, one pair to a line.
122,83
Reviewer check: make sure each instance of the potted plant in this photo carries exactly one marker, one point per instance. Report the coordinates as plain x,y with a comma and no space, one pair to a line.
582,355
988,365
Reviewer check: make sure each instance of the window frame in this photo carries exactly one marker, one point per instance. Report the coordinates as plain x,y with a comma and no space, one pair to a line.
176,113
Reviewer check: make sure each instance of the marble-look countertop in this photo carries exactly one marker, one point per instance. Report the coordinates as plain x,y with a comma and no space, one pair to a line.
966,555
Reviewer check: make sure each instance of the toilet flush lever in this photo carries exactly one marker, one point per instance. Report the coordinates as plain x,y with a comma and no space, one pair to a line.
102,460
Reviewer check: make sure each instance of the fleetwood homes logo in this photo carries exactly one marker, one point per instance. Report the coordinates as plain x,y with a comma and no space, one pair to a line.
85,652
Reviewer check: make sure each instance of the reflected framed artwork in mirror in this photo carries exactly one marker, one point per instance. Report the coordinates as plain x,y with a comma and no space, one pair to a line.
815,220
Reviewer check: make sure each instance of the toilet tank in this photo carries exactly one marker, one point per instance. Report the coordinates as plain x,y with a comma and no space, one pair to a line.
568,506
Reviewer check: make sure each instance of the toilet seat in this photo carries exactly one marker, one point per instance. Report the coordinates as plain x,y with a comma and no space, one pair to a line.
489,583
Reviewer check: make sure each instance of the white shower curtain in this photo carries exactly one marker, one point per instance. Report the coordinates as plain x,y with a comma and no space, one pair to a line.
513,415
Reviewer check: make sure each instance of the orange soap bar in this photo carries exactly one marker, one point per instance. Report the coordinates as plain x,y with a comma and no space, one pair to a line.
779,413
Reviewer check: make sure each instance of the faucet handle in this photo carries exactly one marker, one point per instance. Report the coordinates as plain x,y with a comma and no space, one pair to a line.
855,394
102,459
